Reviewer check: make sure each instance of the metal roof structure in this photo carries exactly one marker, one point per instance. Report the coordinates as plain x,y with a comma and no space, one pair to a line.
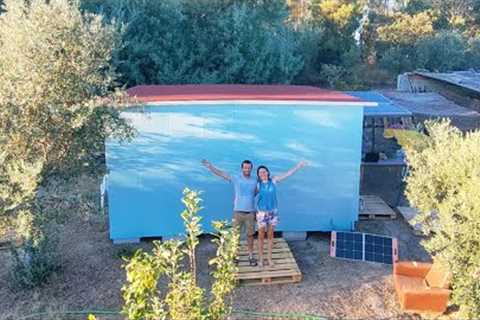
465,79
428,103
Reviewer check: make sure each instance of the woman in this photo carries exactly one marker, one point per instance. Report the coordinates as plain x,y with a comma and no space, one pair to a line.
267,209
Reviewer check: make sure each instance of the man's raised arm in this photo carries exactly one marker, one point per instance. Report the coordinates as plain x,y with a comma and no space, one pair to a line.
216,171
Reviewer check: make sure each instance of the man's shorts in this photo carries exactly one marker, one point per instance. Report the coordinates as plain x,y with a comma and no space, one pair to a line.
247,219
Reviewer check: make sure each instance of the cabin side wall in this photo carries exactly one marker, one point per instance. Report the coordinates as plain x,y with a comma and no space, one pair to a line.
147,176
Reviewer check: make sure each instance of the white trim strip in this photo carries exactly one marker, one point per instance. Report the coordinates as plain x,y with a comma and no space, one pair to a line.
267,102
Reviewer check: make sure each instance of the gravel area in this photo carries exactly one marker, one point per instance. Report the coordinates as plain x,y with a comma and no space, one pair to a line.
91,276
331,287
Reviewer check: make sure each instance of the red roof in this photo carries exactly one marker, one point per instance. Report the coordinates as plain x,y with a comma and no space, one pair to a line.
213,92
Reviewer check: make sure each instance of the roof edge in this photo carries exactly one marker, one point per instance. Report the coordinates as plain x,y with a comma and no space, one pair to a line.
264,102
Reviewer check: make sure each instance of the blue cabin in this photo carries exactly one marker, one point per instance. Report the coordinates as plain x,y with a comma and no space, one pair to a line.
276,126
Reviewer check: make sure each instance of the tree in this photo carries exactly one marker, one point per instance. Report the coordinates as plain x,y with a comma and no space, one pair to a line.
405,29
327,42
242,42
459,15
473,53
445,51
443,184
198,41
56,107
337,20
184,299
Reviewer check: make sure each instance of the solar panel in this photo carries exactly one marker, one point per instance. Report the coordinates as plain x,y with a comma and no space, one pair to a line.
364,247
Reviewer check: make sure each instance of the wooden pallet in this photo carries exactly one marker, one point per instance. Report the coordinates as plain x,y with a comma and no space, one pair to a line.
375,208
284,270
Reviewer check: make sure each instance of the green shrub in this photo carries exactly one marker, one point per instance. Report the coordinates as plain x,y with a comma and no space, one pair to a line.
365,76
175,260
398,59
309,38
34,261
175,42
473,53
444,184
333,75
445,51
244,44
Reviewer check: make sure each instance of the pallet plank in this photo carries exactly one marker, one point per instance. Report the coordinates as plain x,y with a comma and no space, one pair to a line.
284,269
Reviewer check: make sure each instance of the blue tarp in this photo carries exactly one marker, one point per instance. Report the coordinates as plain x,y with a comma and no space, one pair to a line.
385,108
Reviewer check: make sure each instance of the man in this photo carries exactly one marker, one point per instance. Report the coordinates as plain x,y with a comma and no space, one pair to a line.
244,202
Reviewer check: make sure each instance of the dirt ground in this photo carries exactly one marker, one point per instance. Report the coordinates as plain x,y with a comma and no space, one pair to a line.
91,276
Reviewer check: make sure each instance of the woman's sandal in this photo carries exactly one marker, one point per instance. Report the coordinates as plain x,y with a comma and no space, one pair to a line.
252,261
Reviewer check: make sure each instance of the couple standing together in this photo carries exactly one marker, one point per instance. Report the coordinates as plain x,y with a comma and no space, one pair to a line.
255,201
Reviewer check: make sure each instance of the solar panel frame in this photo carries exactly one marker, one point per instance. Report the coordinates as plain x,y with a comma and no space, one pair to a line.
374,248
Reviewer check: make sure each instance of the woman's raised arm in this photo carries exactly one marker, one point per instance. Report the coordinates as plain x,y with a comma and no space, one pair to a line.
290,172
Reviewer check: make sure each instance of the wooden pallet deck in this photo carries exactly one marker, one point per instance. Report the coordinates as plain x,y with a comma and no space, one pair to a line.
284,270
374,208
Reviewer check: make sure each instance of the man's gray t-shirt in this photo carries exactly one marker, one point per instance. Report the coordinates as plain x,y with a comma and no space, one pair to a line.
244,193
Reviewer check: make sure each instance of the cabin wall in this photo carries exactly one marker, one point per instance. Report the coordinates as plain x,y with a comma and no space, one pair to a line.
147,175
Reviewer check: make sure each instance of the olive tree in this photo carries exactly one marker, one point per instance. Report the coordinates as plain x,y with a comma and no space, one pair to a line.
444,184
57,105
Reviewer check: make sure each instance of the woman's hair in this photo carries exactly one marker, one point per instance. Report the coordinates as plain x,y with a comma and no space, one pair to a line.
258,171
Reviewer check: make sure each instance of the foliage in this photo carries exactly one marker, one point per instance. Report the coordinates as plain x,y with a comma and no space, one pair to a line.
34,261
184,299
443,184
299,11
174,41
416,6
247,42
153,47
327,42
460,15
338,20
141,301
333,75
282,41
338,12
445,51
406,29
309,39
398,59
473,53
224,274
55,109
